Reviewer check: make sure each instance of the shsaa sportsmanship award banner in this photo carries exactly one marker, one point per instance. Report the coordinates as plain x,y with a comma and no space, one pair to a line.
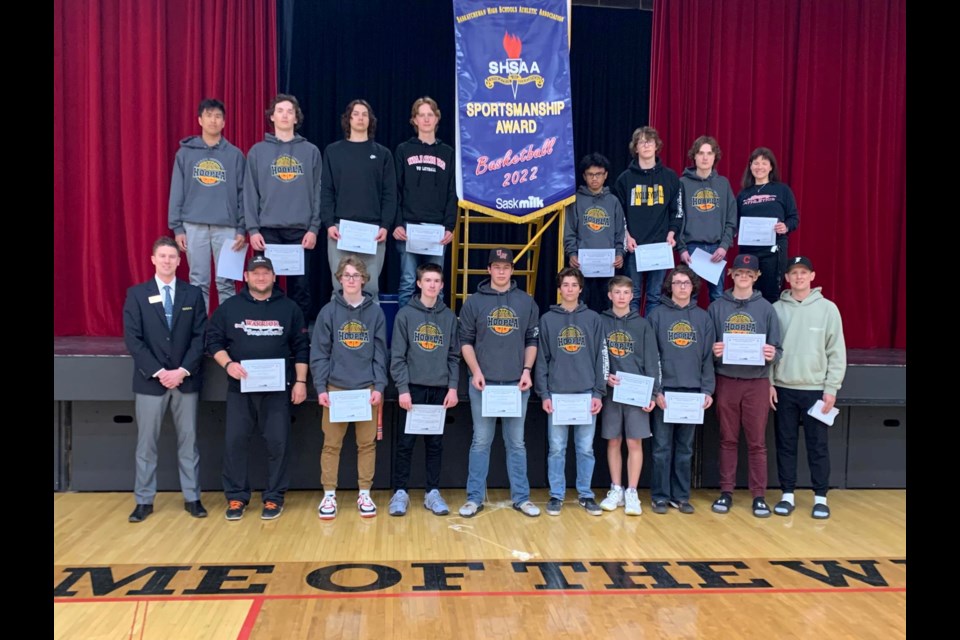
515,148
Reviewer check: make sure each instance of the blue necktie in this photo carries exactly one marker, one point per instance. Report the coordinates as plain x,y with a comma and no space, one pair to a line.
168,306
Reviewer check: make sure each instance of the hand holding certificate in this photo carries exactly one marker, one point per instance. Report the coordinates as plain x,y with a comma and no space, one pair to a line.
683,408
816,411
596,263
702,264
757,232
654,257
426,419
571,408
501,401
425,239
744,348
358,237
350,406
287,258
633,389
268,374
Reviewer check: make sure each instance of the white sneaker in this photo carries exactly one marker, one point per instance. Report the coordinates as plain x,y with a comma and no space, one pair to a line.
365,506
632,503
327,509
613,500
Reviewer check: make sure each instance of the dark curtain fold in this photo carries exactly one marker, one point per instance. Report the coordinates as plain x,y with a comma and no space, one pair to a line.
128,77
823,85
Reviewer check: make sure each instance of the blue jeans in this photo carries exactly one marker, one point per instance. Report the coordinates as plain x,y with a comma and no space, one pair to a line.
654,282
716,290
672,456
557,457
483,432
408,272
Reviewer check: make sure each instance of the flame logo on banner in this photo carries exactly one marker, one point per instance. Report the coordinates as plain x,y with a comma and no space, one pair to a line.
512,45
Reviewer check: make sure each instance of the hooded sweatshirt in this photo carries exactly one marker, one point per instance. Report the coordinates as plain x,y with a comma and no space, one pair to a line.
250,329
596,222
282,185
349,345
754,315
572,355
426,347
359,184
499,326
652,200
632,345
814,351
770,200
427,189
710,210
207,185
685,336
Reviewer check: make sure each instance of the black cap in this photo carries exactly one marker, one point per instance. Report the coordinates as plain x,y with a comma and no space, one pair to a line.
802,261
259,261
500,254
746,261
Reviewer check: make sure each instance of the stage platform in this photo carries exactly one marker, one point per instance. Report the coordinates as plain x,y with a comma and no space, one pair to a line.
95,434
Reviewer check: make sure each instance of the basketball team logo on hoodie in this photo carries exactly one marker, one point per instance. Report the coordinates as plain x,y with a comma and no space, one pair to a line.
503,321
428,336
571,339
619,343
740,322
596,219
286,168
705,199
353,334
681,334
209,172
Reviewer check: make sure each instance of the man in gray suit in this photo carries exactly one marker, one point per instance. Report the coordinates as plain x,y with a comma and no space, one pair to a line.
163,324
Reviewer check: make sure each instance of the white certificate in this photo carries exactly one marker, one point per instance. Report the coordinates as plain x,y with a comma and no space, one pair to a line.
287,259
744,348
571,408
426,419
425,239
501,401
268,374
358,237
757,232
654,257
230,262
597,263
705,268
683,408
350,406
633,389
817,412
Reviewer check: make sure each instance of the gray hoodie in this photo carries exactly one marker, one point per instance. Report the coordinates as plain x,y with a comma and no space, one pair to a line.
281,189
595,222
207,185
425,348
499,326
349,345
632,345
711,210
572,356
754,315
685,337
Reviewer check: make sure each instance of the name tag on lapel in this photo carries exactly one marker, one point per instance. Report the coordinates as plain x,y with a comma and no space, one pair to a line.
155,299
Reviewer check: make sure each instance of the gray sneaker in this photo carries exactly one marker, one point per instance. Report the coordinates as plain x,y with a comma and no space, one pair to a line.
470,509
554,505
399,503
527,508
591,506
435,503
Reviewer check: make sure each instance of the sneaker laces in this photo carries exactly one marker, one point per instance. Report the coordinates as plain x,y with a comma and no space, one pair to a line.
271,505
235,504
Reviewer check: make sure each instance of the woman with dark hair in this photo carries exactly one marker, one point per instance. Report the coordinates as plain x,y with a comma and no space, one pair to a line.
764,196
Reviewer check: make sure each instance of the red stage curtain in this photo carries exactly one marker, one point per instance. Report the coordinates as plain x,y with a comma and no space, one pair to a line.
823,84
128,76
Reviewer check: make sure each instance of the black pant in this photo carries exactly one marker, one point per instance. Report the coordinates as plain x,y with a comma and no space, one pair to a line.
269,415
298,287
772,267
792,406
594,294
434,444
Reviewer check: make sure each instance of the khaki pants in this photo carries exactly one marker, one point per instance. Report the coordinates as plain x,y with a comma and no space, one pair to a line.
333,432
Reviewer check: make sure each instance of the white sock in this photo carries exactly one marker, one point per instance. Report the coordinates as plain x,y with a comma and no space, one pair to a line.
788,497
332,494
365,492
819,499
616,487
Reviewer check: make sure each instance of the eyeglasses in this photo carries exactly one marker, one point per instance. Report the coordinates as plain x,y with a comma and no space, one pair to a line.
645,143
351,276
596,174
681,283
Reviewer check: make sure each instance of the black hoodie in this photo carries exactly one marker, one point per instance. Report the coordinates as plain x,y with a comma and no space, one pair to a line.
652,200
427,186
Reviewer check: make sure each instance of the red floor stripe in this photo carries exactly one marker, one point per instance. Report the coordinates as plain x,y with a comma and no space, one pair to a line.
133,623
251,619
143,625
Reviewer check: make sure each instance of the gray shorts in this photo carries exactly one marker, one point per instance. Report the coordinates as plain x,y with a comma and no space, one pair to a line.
624,418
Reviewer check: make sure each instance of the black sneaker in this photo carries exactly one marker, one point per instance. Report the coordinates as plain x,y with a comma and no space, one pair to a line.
659,506
591,506
235,509
553,506
682,507
271,510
